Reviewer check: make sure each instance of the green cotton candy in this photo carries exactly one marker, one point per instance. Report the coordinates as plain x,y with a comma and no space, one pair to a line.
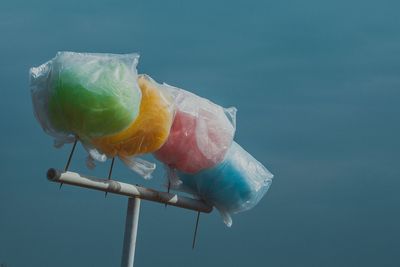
93,95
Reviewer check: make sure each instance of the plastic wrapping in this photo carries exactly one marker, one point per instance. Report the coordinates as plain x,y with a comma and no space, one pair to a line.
40,90
100,100
85,95
151,128
234,185
139,165
200,135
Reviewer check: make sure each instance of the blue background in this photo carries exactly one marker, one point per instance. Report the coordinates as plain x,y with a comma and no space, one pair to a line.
316,84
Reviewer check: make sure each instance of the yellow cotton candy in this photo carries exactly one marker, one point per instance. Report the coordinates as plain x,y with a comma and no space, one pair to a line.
149,131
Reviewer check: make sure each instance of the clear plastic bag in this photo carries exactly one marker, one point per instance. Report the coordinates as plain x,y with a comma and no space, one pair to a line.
200,135
86,95
236,184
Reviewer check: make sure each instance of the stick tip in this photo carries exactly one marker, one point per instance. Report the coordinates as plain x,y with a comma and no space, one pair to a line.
52,174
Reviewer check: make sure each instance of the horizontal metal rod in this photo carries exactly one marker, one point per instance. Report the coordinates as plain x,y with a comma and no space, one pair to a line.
112,186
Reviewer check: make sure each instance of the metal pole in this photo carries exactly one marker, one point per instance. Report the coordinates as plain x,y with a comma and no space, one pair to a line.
131,225
195,229
69,158
109,173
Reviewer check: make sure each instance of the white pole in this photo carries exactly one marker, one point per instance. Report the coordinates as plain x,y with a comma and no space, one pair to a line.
131,225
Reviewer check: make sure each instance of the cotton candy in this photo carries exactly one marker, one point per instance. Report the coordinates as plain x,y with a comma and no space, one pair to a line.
234,185
200,135
86,95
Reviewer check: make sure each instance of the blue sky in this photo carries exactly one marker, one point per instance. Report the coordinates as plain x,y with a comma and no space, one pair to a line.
316,84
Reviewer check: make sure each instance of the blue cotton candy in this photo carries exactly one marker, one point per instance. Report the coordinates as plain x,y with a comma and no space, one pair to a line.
234,185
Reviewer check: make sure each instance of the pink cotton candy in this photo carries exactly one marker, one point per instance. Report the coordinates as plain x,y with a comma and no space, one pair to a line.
200,135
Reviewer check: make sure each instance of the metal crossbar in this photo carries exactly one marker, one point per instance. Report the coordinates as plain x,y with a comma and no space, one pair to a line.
120,188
